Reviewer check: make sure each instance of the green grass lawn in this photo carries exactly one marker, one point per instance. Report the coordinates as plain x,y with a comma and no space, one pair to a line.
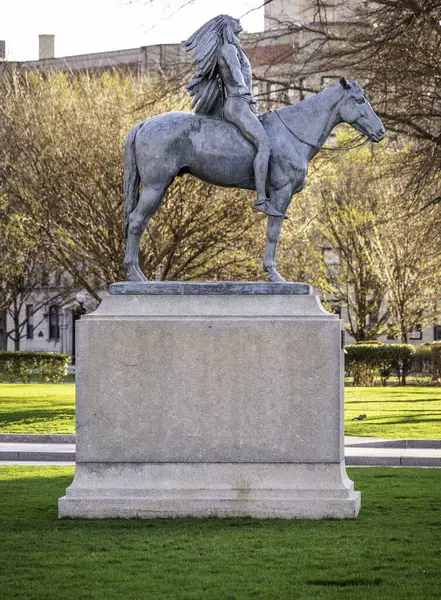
37,408
391,551
412,412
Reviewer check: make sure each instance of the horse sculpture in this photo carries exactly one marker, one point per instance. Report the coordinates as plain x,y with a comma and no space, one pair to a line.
161,148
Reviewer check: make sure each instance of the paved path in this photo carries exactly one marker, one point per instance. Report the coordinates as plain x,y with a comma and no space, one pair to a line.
36,463
373,442
13,451
358,451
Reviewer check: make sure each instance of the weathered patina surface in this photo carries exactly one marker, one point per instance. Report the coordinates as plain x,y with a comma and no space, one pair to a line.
225,143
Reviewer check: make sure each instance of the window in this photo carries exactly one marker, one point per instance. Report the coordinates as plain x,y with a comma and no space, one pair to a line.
277,92
329,80
29,321
256,89
54,322
331,259
391,332
334,306
44,277
331,256
417,334
293,96
437,333
302,93
372,320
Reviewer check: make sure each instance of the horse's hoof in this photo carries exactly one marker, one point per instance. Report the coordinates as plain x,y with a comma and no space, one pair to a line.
141,274
135,274
275,277
134,277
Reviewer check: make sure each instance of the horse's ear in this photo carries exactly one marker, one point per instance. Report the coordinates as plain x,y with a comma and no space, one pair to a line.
344,82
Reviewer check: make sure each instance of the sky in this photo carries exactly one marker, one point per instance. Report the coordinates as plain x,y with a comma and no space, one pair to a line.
87,26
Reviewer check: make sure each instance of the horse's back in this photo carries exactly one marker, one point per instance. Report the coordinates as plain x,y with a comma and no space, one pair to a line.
209,148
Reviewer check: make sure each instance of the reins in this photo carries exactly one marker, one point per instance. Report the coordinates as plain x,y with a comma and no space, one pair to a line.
345,148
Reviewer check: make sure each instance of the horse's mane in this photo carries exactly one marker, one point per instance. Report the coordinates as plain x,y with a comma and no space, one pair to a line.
206,87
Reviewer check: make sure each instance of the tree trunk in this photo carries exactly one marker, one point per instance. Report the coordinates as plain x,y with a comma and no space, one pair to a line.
404,339
403,330
3,334
16,336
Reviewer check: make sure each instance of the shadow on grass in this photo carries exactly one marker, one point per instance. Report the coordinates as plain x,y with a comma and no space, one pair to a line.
391,401
411,419
343,583
35,415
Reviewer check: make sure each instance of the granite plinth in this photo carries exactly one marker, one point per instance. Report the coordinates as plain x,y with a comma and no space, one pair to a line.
261,490
220,288
220,404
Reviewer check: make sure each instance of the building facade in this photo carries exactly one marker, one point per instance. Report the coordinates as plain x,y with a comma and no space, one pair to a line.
275,54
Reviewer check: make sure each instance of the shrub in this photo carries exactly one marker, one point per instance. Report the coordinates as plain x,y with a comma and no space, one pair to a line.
361,363
366,361
20,366
401,356
427,361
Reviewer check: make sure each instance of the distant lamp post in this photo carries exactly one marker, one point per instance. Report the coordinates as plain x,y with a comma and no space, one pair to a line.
81,299
77,313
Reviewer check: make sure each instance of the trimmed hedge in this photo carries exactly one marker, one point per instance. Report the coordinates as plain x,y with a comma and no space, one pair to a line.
427,361
367,361
20,366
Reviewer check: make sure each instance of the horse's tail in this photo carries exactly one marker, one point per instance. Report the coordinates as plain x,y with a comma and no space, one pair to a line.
131,176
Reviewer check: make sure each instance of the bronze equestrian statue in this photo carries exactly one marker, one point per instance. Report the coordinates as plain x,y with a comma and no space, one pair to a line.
225,143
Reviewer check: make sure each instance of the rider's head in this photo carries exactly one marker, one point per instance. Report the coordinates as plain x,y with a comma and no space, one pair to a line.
231,25
235,25
207,38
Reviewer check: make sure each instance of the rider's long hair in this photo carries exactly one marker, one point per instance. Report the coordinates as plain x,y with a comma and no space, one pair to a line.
207,40
205,43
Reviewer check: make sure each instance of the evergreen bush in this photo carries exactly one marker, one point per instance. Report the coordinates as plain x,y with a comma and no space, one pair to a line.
367,361
427,361
20,366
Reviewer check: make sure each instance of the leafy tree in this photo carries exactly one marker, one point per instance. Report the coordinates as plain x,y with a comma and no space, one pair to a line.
61,146
345,191
393,47
23,268
374,253
407,257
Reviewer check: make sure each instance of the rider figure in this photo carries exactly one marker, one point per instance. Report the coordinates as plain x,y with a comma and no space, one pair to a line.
222,86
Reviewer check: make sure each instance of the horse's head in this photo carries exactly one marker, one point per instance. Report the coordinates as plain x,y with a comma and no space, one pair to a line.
356,111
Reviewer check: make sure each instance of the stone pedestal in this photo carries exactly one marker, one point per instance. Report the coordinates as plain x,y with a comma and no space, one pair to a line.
218,399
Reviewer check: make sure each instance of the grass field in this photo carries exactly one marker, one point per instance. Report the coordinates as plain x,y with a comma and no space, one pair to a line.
37,408
412,412
392,551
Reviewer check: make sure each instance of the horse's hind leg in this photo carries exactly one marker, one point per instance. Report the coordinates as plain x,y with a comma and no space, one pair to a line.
281,199
149,201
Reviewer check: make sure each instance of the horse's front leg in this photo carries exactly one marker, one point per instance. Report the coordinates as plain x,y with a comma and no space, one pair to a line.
274,228
281,199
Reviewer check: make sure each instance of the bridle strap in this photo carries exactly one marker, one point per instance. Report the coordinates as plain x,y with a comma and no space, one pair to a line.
344,148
